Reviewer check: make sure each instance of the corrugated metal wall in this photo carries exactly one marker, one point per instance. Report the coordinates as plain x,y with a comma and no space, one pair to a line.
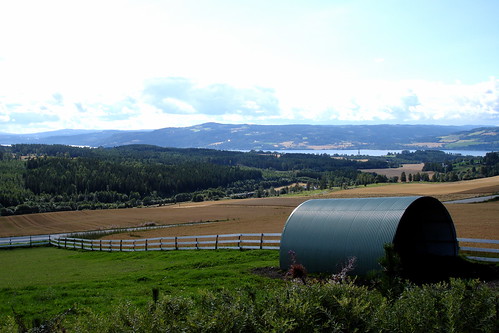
324,233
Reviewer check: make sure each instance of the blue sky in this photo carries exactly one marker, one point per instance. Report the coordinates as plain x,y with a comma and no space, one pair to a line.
147,64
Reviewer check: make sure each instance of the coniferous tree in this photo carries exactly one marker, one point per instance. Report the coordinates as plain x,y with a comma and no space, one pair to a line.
403,177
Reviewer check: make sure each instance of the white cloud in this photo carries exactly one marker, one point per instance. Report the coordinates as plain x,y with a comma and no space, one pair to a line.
178,105
400,102
165,102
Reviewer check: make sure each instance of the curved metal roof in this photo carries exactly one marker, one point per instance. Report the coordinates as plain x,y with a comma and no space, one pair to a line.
324,233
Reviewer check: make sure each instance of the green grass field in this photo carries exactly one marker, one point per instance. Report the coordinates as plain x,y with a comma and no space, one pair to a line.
42,282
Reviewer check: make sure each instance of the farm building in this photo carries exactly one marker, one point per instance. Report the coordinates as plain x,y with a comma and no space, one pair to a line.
325,233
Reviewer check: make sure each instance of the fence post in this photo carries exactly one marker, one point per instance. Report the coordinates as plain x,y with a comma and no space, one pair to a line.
176,244
197,246
146,244
121,245
161,244
81,240
100,245
216,243
134,245
261,242
65,243
30,241
239,242
110,245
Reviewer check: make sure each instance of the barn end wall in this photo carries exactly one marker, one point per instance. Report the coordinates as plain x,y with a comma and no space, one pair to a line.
325,233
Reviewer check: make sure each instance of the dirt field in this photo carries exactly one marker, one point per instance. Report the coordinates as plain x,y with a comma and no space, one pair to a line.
442,191
396,172
259,215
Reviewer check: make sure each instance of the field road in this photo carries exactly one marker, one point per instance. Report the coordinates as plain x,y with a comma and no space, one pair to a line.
477,220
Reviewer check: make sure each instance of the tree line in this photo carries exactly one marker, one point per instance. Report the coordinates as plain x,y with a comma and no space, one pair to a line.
464,168
43,178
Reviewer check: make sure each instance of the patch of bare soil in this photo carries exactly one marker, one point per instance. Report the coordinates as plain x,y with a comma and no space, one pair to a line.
396,172
442,191
270,272
234,216
476,220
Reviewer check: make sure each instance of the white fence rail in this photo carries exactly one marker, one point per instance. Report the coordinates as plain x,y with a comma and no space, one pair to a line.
265,241
25,241
487,250
489,253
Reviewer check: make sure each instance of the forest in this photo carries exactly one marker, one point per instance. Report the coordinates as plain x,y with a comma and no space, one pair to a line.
43,178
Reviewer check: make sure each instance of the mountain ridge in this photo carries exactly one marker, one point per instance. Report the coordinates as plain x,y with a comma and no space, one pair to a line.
278,137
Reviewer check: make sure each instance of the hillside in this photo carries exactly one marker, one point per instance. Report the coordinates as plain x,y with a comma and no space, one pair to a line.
479,138
279,137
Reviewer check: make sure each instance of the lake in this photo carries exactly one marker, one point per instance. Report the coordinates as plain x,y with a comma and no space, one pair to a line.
376,152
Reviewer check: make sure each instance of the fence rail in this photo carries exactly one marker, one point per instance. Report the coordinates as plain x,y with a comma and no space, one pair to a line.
25,241
489,253
488,249
265,241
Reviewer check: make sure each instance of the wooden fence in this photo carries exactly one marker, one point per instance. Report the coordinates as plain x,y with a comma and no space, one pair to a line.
265,241
487,250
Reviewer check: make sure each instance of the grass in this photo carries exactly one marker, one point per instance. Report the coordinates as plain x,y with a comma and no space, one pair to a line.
42,282
319,192
462,144
215,291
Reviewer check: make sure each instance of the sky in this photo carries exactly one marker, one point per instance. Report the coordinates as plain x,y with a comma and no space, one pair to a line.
149,64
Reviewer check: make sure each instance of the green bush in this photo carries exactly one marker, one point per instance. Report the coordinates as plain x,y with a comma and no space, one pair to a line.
458,306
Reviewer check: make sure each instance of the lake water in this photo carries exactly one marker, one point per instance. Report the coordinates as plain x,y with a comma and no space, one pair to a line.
377,152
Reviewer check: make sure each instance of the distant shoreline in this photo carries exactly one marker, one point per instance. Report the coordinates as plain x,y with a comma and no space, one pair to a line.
374,152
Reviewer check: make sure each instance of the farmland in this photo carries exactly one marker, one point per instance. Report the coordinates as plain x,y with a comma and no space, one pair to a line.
99,286
396,172
259,214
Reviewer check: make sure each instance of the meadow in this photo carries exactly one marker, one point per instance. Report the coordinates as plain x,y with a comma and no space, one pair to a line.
43,282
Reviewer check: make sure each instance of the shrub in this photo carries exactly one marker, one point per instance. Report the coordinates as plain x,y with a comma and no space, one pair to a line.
458,306
6,211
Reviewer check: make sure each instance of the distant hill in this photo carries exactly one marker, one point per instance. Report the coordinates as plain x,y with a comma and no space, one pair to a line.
478,138
279,137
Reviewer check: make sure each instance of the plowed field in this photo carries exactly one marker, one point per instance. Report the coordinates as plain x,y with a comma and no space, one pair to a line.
397,172
480,220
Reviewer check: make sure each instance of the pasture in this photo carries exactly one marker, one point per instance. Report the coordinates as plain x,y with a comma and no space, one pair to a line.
48,281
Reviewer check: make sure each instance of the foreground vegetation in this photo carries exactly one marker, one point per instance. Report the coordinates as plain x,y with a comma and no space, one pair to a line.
46,178
217,291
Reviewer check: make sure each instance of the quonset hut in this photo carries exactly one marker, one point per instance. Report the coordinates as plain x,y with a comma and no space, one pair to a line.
324,233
